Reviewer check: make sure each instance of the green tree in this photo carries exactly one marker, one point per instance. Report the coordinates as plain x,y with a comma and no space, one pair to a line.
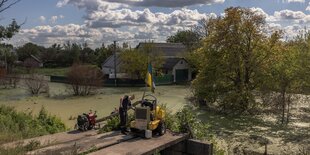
230,60
9,31
8,56
28,49
102,54
188,38
287,73
135,61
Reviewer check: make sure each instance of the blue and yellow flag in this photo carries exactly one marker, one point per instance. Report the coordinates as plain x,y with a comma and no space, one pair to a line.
149,78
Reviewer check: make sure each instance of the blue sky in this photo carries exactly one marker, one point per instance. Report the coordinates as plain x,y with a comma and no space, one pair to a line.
98,21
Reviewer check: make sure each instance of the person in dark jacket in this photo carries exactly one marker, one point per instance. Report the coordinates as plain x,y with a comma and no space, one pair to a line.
125,103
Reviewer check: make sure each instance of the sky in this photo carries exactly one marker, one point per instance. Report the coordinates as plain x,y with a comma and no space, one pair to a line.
102,21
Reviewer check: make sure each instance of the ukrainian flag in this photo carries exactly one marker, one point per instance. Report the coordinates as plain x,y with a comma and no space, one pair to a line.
149,78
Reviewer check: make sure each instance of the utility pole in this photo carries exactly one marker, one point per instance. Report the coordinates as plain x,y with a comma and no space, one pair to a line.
115,80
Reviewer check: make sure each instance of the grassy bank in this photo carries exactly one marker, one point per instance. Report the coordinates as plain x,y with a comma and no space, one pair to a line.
20,125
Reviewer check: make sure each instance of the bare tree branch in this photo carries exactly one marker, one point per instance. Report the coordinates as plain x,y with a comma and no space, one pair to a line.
3,2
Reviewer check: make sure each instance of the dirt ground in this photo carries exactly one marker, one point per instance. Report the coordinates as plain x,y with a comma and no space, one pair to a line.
62,104
250,134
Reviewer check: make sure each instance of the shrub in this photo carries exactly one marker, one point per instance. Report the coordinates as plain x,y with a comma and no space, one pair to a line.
36,84
19,125
84,79
112,124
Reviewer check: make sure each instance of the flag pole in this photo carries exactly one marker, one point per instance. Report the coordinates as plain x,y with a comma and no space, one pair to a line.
145,79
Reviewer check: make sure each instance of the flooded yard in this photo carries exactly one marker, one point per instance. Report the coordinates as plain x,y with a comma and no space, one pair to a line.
61,103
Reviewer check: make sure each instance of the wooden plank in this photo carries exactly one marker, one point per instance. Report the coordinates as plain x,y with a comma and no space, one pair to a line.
143,146
115,114
53,138
83,145
60,137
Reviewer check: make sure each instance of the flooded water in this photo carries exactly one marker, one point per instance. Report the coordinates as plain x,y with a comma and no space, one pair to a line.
62,104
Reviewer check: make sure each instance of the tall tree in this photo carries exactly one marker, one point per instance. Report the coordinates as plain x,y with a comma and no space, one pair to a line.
102,54
230,59
188,38
135,61
6,4
28,49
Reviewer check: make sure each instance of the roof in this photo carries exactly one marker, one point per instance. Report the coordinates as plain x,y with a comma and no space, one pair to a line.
35,58
171,62
168,49
109,62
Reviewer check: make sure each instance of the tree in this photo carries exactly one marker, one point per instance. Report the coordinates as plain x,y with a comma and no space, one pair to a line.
188,38
87,55
288,74
134,62
84,79
36,84
9,31
102,54
6,4
13,28
27,50
8,57
231,59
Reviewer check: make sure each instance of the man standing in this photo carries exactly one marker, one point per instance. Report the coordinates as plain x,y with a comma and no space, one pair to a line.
125,103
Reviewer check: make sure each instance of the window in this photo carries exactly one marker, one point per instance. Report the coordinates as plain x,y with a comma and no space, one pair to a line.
181,62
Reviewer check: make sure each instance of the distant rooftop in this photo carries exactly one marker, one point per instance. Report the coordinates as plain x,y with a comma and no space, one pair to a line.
168,49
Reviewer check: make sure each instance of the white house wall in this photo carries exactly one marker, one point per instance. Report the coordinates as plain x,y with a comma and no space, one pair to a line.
106,70
181,65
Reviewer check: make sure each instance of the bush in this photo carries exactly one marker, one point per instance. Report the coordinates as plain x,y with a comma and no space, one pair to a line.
84,79
19,125
185,121
36,84
112,124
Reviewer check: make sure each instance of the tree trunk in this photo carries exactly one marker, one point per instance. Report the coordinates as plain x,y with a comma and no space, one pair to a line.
283,105
288,110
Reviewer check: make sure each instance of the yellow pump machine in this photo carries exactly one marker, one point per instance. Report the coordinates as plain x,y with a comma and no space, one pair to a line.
149,117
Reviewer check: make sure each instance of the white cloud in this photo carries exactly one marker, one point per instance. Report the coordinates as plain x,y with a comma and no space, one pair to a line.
108,20
296,1
42,19
53,19
289,14
308,7
47,35
126,17
143,3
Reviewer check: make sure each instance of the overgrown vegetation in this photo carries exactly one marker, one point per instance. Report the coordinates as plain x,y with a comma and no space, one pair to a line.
135,61
20,125
238,59
184,121
84,79
112,124
36,84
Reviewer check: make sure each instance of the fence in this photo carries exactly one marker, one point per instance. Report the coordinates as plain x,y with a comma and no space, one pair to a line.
162,80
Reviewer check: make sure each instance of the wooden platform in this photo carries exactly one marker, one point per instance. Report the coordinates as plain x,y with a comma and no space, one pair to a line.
142,146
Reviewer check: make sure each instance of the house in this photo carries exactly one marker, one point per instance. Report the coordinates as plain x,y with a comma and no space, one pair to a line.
108,67
32,62
174,63
178,68
169,50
